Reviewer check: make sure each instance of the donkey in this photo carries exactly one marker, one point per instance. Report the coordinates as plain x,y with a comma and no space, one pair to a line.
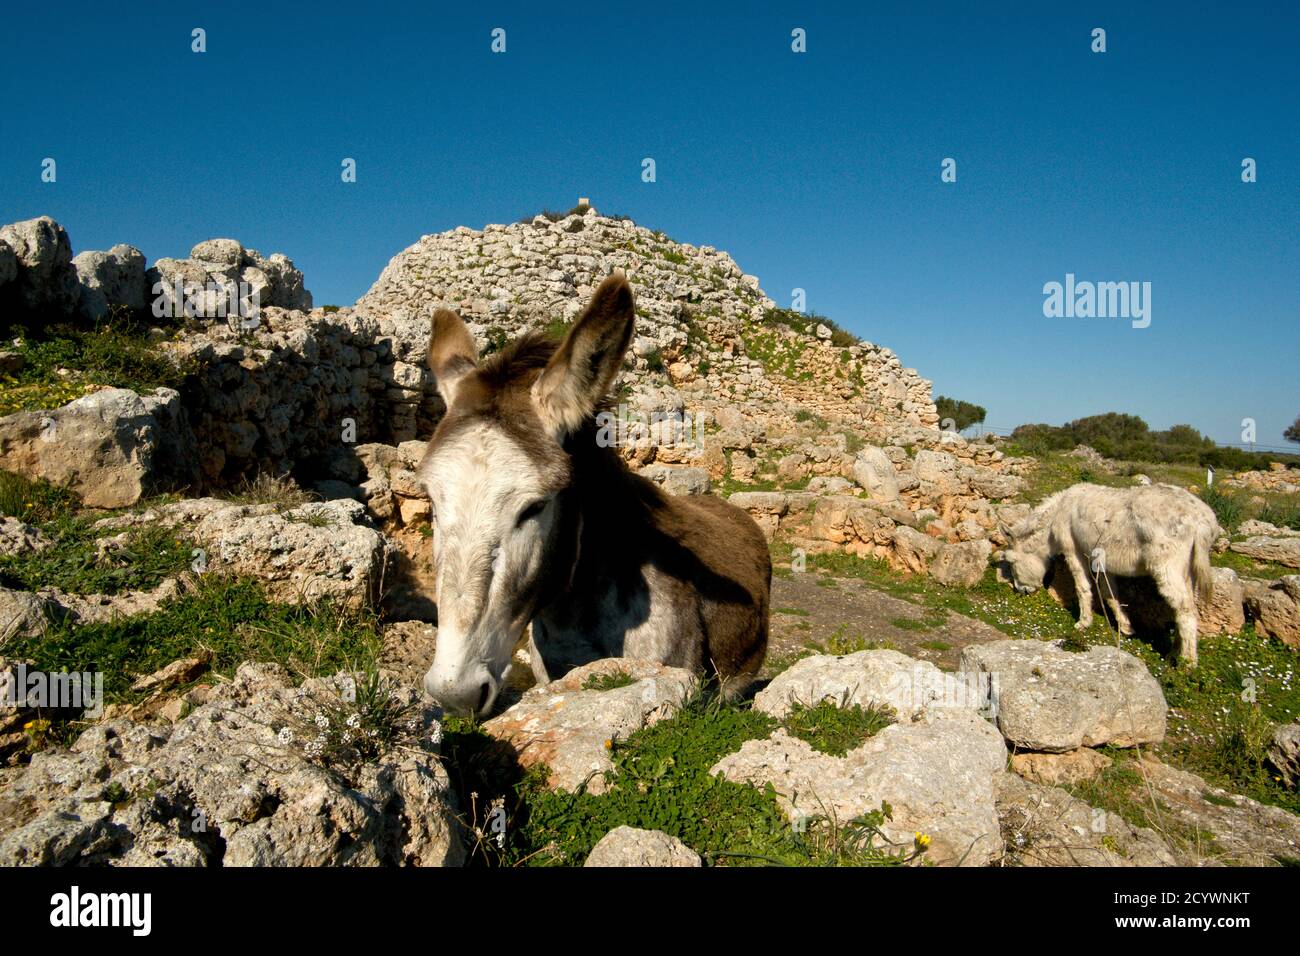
1158,531
538,522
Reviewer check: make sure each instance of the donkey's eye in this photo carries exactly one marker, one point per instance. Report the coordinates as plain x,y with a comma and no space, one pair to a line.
532,511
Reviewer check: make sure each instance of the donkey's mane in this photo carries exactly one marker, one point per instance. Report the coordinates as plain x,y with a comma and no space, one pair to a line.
528,353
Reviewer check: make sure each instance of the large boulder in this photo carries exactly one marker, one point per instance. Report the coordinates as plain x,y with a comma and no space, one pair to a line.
961,565
1279,550
110,447
630,846
236,783
1046,826
937,774
938,472
222,263
1048,699
43,275
111,278
886,678
874,473
569,725
318,550
1275,608
913,550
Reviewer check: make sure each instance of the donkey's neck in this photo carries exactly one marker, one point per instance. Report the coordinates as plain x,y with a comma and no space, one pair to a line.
608,591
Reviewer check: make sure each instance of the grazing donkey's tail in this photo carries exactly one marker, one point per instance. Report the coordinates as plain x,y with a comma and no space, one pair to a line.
1202,578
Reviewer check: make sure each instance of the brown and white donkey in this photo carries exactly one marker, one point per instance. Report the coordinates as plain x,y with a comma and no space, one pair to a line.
535,521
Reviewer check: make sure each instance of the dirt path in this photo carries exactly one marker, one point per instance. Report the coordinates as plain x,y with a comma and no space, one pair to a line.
805,611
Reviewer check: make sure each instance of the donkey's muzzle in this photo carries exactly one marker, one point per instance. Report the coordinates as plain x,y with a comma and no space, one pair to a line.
470,693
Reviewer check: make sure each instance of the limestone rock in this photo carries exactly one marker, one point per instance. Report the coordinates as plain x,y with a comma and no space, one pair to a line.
322,549
630,846
1283,550
43,275
1053,770
115,277
232,784
1275,608
569,728
18,537
110,447
1048,699
938,775
881,677
961,565
1045,826
1284,753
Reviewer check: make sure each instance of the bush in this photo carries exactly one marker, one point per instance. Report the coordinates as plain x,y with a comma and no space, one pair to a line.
1227,508
1129,438
963,414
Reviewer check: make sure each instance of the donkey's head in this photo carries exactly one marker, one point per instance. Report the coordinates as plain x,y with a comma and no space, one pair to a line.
499,473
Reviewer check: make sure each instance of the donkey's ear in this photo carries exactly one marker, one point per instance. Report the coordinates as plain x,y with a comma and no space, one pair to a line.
580,373
452,353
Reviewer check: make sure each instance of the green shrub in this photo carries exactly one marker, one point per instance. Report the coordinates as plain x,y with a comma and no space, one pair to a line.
1228,508
836,730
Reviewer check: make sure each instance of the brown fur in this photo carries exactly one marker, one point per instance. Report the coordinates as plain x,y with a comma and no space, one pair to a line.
624,543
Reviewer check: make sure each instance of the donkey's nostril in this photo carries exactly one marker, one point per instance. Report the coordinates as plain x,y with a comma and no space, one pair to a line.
483,693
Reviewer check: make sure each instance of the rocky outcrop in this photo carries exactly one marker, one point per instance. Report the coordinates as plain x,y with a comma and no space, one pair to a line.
938,776
112,278
110,447
1048,699
236,783
1043,825
1284,550
42,279
323,549
220,264
1274,606
630,846
881,678
569,725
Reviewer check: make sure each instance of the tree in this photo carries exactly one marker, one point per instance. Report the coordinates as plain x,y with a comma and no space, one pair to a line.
962,414
1293,432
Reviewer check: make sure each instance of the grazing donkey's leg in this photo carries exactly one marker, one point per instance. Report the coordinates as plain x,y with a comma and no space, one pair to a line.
1177,590
1121,616
1082,588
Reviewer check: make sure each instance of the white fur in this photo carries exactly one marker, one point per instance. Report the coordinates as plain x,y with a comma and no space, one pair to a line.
478,486
1158,531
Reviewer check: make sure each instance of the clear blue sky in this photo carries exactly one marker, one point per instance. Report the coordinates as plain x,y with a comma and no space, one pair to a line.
818,170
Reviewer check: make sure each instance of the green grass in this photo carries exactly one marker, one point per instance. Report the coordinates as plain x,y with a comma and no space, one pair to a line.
63,362
660,781
75,563
836,730
33,500
232,618
610,681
